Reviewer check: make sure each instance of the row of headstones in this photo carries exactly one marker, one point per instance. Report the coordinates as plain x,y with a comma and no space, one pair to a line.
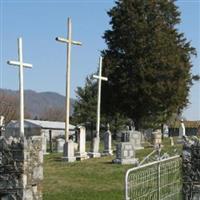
131,141
80,146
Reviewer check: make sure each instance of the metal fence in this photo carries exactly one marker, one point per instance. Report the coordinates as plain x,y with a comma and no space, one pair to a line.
159,180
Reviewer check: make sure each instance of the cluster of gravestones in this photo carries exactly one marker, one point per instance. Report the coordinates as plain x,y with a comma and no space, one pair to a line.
191,170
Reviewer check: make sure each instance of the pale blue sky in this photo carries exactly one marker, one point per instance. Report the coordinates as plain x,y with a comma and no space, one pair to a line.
39,22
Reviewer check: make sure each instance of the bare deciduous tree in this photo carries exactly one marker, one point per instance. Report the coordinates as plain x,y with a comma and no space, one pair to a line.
53,114
8,106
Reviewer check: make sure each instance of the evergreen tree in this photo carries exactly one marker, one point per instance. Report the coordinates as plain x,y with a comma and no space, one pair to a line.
147,62
85,109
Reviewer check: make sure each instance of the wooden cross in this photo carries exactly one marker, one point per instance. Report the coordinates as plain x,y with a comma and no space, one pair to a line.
69,43
99,78
21,64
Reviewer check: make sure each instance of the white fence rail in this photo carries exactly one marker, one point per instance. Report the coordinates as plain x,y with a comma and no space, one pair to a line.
159,180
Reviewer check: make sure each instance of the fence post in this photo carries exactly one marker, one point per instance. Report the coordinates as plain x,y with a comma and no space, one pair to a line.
159,151
158,195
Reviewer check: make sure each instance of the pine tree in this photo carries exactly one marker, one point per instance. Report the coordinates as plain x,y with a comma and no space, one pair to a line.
86,103
147,62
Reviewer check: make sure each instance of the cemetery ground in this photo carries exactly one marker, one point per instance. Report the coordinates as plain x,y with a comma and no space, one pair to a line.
92,179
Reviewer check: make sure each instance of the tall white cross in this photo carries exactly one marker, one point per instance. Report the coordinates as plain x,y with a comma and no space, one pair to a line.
100,78
21,64
69,43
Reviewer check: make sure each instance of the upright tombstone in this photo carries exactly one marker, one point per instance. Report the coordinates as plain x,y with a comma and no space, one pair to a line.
44,142
132,136
182,129
108,142
96,139
69,145
59,145
125,154
136,139
157,138
181,132
81,139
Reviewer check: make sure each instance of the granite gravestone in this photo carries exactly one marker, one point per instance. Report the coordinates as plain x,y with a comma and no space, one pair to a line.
125,154
132,136
108,142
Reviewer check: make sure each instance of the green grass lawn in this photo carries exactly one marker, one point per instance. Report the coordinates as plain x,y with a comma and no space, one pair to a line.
92,179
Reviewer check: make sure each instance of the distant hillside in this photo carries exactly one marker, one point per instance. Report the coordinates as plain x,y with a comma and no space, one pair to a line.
37,102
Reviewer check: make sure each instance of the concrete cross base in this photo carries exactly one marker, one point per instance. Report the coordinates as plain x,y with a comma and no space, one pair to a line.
81,156
94,154
68,152
107,153
132,161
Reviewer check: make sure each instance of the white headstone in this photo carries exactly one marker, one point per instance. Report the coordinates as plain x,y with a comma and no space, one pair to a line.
136,139
44,143
81,138
59,145
182,129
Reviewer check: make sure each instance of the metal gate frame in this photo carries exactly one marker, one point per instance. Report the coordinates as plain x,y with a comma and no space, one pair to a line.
158,164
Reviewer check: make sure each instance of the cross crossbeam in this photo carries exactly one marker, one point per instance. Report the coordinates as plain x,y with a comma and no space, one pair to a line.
100,77
21,64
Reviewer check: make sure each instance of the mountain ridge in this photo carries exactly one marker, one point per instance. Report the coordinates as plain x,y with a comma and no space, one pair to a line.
36,103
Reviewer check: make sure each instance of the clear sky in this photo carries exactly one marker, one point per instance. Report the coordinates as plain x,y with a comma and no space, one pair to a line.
40,21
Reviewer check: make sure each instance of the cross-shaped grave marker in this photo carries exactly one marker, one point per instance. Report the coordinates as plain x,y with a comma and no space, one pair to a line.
99,78
21,64
69,43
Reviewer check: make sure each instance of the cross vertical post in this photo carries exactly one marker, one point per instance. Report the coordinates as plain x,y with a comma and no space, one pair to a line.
99,78
20,64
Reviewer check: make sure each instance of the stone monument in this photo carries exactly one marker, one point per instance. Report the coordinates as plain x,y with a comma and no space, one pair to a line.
181,132
81,139
59,145
107,142
125,154
132,136
157,138
136,139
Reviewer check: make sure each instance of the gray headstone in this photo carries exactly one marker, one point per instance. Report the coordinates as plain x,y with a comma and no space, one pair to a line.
125,153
